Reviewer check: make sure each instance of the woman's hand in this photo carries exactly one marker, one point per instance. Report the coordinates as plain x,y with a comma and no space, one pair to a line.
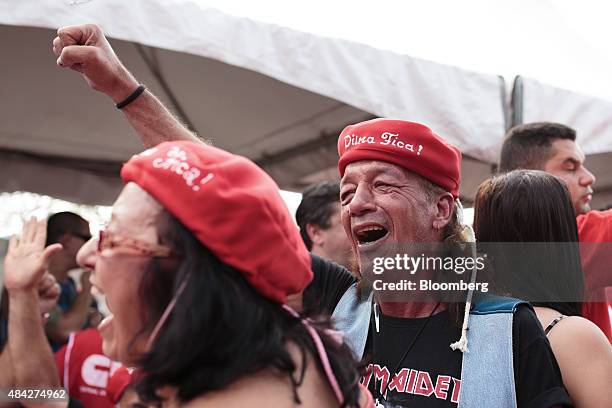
27,258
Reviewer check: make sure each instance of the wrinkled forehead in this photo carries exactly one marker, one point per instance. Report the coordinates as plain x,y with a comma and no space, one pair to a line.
369,169
135,211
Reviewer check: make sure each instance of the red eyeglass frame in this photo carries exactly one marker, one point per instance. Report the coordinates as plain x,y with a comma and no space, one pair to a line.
131,246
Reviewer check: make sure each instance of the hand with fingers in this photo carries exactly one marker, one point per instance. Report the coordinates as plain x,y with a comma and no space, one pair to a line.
26,260
84,49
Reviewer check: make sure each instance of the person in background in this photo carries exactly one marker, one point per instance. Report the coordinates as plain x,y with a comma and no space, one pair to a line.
73,307
318,217
535,208
552,147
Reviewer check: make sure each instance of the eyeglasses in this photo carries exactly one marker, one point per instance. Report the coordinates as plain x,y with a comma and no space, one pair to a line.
131,246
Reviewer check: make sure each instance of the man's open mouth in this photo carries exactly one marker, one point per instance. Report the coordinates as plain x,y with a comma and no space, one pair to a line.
370,234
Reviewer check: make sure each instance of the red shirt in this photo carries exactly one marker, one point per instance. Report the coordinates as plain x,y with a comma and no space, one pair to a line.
84,370
595,233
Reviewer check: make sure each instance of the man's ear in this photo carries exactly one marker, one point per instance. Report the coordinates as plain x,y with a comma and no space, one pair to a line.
315,234
445,207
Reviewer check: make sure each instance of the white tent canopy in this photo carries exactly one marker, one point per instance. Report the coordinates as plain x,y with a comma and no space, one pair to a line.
275,94
564,43
286,119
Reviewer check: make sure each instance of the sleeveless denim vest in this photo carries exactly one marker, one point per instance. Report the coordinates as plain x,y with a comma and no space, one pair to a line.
487,370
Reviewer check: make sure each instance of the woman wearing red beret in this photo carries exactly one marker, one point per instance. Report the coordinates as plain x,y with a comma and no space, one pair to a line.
196,264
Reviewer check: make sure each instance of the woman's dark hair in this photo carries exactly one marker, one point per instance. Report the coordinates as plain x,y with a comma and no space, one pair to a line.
529,214
221,329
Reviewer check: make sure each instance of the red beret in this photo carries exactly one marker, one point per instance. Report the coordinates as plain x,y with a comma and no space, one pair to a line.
407,144
232,207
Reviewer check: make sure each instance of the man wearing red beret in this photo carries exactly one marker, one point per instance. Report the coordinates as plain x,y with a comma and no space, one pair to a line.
399,185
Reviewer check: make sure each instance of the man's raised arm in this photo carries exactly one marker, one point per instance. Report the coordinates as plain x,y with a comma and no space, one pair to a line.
84,48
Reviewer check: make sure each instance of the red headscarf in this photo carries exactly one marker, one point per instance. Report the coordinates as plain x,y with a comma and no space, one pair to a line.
407,144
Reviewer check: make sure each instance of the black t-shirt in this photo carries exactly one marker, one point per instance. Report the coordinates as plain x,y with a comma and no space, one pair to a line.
430,375
329,283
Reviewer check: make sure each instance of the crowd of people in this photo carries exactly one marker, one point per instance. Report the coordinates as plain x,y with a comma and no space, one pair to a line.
215,298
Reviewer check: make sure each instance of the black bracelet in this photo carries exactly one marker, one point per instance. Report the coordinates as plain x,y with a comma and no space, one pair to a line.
131,98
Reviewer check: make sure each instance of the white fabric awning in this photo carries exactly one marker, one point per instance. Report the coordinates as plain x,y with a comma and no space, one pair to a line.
276,95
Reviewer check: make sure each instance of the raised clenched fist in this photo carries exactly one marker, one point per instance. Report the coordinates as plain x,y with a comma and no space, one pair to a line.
84,49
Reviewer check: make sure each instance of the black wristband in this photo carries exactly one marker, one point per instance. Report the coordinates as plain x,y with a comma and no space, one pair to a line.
131,98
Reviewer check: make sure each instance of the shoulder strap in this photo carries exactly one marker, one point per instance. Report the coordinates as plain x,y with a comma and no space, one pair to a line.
352,317
487,372
553,323
491,304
